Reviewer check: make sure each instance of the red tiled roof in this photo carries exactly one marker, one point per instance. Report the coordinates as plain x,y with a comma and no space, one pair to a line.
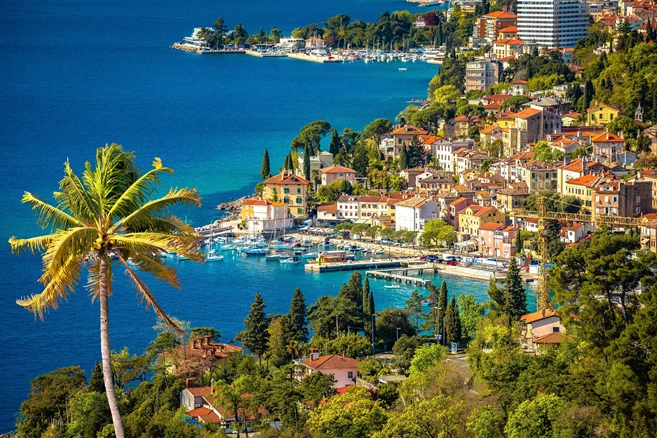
607,137
552,338
287,179
527,113
537,316
483,210
491,226
330,362
200,391
261,202
328,208
337,169
500,14
409,130
519,83
510,29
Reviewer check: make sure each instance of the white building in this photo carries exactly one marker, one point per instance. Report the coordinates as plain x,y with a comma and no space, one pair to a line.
318,162
412,213
348,207
262,216
442,151
552,23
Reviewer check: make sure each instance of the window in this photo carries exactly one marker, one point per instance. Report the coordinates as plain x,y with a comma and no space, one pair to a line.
286,191
555,329
299,200
299,210
298,189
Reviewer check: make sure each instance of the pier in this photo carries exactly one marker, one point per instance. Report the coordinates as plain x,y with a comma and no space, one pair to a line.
351,266
404,275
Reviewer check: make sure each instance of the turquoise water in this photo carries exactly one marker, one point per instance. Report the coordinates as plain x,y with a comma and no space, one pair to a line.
78,74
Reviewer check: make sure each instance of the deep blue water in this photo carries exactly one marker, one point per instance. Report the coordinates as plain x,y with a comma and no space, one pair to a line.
78,74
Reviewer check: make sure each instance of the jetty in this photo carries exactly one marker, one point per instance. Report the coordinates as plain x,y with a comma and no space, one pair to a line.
404,276
315,58
351,266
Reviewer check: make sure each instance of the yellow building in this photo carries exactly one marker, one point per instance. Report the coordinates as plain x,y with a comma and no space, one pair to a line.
290,189
601,114
582,189
474,216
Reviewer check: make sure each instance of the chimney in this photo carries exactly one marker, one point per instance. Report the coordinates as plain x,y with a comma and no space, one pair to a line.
314,354
189,383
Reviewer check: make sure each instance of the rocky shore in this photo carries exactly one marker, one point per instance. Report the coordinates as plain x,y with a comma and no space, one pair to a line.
231,208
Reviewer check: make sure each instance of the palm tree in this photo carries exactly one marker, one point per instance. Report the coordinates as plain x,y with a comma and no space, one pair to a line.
108,213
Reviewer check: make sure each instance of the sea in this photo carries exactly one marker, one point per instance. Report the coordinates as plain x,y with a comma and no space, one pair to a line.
77,74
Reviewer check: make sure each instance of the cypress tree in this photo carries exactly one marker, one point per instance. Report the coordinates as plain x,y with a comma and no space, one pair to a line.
265,171
255,336
367,309
453,322
96,382
306,162
515,300
588,95
440,34
442,307
355,287
518,243
298,318
334,146
403,158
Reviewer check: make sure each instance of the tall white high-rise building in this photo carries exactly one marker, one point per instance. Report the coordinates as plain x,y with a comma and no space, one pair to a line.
552,23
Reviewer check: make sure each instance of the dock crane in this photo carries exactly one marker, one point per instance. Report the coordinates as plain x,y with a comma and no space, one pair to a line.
543,216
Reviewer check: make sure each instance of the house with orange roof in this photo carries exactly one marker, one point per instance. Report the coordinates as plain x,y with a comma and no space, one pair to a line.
204,407
539,176
344,369
462,126
261,215
505,119
497,240
454,208
489,25
328,214
474,216
615,197
650,175
403,135
575,232
489,134
539,324
570,118
518,88
290,189
443,150
648,233
508,33
332,173
412,213
509,199
575,169
607,147
509,47
601,114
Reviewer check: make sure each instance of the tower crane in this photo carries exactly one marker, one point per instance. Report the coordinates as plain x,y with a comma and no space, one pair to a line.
543,216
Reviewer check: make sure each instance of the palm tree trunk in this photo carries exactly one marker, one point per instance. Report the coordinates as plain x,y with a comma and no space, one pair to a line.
105,351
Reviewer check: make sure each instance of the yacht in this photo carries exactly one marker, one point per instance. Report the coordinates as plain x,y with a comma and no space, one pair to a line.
213,256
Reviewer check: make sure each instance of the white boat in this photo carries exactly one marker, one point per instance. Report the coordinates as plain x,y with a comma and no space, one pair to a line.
310,255
271,257
255,252
228,248
292,260
392,286
403,68
213,256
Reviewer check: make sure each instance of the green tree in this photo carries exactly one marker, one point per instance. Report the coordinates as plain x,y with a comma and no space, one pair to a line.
89,413
453,322
437,231
298,317
48,400
471,313
327,312
336,143
515,299
306,162
486,422
377,129
534,418
96,383
447,94
368,308
311,135
278,339
317,386
353,414
518,243
427,356
388,323
255,336
201,332
403,158
414,308
108,213
265,168
404,350
438,417
442,310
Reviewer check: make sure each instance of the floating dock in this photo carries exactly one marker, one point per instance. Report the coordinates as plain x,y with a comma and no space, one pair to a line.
404,275
314,58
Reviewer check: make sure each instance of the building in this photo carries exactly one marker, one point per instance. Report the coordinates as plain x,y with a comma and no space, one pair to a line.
576,169
372,207
318,162
552,23
601,114
328,214
617,198
497,240
419,23
489,26
474,216
443,151
650,175
265,216
401,136
289,188
412,213
510,47
344,369
347,206
482,74
534,123
315,44
332,173
510,32
539,176
607,147
576,232
537,325
509,199
649,235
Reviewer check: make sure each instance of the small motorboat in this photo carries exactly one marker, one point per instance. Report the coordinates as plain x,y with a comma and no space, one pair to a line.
228,248
276,256
292,260
310,255
213,256
255,252
392,286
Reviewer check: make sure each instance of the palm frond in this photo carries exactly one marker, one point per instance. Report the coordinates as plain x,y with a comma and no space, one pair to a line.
154,266
49,215
158,208
139,191
170,224
31,244
146,296
77,241
58,285
73,196
154,243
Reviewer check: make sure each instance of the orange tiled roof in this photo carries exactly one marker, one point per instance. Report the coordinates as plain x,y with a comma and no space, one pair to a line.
552,338
527,113
537,316
330,362
287,178
409,130
500,14
491,226
337,169
607,137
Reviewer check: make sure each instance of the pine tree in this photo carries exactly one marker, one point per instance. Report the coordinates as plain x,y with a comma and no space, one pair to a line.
96,383
306,162
353,291
255,336
335,145
414,307
265,171
298,318
453,322
515,299
442,308
403,158
495,294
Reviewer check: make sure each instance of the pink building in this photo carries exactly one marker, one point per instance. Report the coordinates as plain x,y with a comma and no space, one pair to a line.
497,240
344,369
330,174
455,207
542,330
